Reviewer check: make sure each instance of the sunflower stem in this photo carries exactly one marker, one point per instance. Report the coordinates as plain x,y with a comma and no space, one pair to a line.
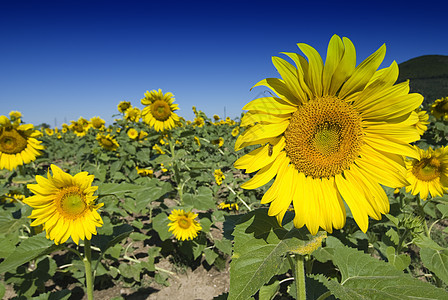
299,276
88,268
176,172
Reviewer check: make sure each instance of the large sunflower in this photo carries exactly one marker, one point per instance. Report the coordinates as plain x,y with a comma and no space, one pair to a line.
18,143
428,173
159,110
331,132
65,205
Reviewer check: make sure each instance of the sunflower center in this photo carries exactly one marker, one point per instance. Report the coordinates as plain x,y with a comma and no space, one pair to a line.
427,169
161,110
324,137
184,223
107,142
444,107
72,202
11,141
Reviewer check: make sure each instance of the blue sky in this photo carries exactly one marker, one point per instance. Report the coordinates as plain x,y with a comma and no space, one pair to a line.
60,60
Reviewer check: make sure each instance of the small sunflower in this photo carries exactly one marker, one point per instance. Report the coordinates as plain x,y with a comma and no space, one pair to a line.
133,133
123,106
97,123
49,131
219,176
235,131
145,172
142,135
330,132
15,115
198,122
133,114
78,128
107,142
65,205
422,123
439,108
158,149
159,110
219,142
183,224
18,143
428,173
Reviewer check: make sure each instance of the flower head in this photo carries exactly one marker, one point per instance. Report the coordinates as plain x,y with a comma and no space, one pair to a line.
123,106
439,108
97,123
65,205
159,110
18,144
183,224
219,176
332,132
108,142
428,173
133,133
133,114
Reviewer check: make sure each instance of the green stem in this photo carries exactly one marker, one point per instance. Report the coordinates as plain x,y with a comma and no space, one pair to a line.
299,274
88,268
176,172
402,239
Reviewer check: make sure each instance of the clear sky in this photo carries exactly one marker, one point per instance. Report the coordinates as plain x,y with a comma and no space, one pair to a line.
60,60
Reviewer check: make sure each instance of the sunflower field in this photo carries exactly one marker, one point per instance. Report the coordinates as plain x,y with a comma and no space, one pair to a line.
332,185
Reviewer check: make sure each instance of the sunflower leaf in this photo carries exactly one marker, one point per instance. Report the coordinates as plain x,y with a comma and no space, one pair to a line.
260,247
120,232
436,261
28,250
364,277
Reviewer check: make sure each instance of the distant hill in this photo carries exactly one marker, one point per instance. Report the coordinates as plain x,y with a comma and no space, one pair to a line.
428,75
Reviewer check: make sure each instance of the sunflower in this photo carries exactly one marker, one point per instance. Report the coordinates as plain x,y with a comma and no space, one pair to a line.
123,106
235,131
107,142
198,122
18,143
439,108
142,135
65,205
145,172
183,224
49,131
78,128
219,142
97,123
422,123
332,132
133,114
428,173
219,176
159,110
158,149
133,133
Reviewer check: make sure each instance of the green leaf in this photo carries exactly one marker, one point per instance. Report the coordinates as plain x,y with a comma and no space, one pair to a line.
224,245
364,277
260,250
436,261
268,291
59,295
2,290
160,224
202,201
120,232
28,250
400,262
210,256
443,208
